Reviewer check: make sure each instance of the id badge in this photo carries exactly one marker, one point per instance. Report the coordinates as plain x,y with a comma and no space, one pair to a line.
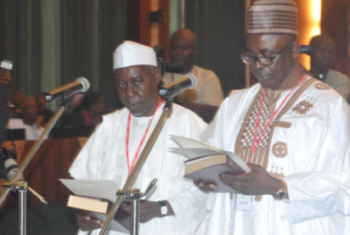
244,202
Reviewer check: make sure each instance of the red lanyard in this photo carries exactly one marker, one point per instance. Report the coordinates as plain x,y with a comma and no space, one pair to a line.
141,143
256,126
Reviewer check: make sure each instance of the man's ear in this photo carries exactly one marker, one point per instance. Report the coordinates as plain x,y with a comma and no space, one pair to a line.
296,48
157,74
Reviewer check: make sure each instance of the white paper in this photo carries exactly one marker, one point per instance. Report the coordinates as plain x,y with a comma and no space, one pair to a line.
185,142
104,189
193,152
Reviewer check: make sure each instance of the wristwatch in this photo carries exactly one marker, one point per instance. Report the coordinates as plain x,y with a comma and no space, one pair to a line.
282,192
163,208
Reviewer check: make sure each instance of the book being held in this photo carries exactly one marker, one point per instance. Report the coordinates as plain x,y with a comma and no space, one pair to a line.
97,196
205,162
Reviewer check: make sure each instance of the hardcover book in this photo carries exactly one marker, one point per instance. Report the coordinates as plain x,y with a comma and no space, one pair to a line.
205,162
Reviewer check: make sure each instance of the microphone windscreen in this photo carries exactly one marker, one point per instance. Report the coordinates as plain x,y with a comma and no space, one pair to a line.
85,83
193,78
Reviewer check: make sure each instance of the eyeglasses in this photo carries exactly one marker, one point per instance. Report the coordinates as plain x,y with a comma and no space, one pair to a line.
263,60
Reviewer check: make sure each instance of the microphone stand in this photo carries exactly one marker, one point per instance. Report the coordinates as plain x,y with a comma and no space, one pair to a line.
134,173
21,187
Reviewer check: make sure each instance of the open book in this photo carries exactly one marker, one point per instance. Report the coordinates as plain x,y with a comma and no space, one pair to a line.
206,162
96,196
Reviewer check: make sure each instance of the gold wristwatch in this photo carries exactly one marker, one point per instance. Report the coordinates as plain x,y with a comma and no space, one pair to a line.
282,192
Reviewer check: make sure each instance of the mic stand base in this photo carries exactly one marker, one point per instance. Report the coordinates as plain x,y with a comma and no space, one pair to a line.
22,188
22,214
135,195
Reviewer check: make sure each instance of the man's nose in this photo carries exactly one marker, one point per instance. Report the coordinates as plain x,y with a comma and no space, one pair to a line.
179,50
257,64
130,90
327,54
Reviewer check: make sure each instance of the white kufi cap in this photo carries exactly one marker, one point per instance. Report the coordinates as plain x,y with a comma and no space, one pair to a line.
131,53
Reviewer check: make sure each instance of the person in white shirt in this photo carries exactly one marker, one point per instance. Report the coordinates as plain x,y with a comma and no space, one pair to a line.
183,51
176,206
322,58
29,121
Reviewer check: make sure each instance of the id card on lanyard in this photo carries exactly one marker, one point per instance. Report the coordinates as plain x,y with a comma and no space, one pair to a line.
243,202
130,167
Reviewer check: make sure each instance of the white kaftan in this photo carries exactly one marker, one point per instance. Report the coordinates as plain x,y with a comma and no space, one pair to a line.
104,158
308,145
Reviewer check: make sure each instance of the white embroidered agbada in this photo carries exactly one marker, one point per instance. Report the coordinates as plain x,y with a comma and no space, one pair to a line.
308,145
104,158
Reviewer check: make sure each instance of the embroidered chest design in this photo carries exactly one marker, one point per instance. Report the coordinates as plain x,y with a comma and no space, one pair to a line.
303,107
322,86
280,149
248,134
246,139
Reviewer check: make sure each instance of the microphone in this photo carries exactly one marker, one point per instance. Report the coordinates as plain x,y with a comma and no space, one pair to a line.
64,92
174,88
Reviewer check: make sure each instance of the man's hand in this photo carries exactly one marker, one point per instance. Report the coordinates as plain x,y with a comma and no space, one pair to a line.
148,210
257,182
205,186
85,222
188,95
5,76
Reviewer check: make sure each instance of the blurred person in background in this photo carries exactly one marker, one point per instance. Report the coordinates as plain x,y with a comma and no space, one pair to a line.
8,164
29,120
5,160
322,58
44,113
17,97
183,51
88,113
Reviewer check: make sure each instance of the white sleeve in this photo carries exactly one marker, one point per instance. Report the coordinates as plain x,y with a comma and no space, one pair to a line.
314,195
189,209
187,201
213,134
324,188
79,168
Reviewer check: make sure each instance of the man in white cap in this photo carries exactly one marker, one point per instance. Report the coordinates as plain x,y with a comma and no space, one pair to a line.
176,206
292,129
